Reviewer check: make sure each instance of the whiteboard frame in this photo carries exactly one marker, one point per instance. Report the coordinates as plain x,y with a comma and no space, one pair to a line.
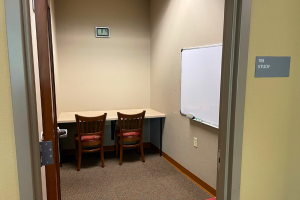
200,47
200,120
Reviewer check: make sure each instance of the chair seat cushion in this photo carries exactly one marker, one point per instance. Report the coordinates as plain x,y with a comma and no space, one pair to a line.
128,134
89,138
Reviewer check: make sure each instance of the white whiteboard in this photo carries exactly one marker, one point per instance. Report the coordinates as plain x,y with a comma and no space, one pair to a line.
200,83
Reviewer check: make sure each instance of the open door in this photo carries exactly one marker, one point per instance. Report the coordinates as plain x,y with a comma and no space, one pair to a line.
48,98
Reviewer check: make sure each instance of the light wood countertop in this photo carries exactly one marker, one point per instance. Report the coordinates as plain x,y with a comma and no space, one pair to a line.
69,117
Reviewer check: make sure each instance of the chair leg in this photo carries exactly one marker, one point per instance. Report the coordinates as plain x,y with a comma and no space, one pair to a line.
142,151
76,149
79,159
121,153
102,154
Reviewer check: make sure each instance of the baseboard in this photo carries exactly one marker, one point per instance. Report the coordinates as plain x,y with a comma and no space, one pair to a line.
105,148
186,172
154,148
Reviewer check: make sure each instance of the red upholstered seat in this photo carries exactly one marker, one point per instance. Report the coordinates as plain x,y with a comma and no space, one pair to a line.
89,138
129,134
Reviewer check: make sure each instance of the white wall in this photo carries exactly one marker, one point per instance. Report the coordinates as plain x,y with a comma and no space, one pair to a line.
103,73
176,25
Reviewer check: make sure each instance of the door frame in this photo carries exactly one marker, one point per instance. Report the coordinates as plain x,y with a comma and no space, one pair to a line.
23,94
233,90
232,103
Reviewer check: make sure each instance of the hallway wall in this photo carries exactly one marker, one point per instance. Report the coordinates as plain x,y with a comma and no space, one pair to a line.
9,184
270,160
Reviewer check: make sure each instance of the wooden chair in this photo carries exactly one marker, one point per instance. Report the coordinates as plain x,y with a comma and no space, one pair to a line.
90,134
130,130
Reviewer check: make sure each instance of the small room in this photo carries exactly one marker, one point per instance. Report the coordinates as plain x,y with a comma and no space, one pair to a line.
137,67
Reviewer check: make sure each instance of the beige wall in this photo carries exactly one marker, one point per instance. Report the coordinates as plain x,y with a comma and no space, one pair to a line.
176,25
103,73
9,188
270,162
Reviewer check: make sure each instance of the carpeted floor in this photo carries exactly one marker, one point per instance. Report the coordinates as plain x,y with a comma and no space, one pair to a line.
154,179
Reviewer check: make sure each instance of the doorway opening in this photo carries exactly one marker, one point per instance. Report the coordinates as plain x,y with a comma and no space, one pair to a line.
46,86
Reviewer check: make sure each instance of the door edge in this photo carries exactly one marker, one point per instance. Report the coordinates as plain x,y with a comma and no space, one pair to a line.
233,89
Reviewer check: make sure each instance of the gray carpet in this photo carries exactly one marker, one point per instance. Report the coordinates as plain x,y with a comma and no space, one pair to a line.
154,179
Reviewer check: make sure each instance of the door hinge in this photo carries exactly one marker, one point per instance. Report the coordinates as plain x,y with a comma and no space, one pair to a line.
46,153
219,159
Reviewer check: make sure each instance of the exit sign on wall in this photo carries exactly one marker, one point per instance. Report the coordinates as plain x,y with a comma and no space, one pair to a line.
102,32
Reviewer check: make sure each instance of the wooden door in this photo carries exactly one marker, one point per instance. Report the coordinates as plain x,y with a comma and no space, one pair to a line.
48,98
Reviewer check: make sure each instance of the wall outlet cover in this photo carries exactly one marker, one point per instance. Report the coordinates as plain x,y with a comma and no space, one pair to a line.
195,142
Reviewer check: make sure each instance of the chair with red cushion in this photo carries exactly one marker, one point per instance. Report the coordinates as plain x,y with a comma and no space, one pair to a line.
90,136
130,130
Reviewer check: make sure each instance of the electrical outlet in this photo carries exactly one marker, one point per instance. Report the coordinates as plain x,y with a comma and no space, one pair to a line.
195,142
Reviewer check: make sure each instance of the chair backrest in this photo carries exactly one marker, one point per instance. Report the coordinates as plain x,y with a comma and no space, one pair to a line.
90,125
131,123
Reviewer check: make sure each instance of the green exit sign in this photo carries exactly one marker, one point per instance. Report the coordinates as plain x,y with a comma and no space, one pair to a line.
102,32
